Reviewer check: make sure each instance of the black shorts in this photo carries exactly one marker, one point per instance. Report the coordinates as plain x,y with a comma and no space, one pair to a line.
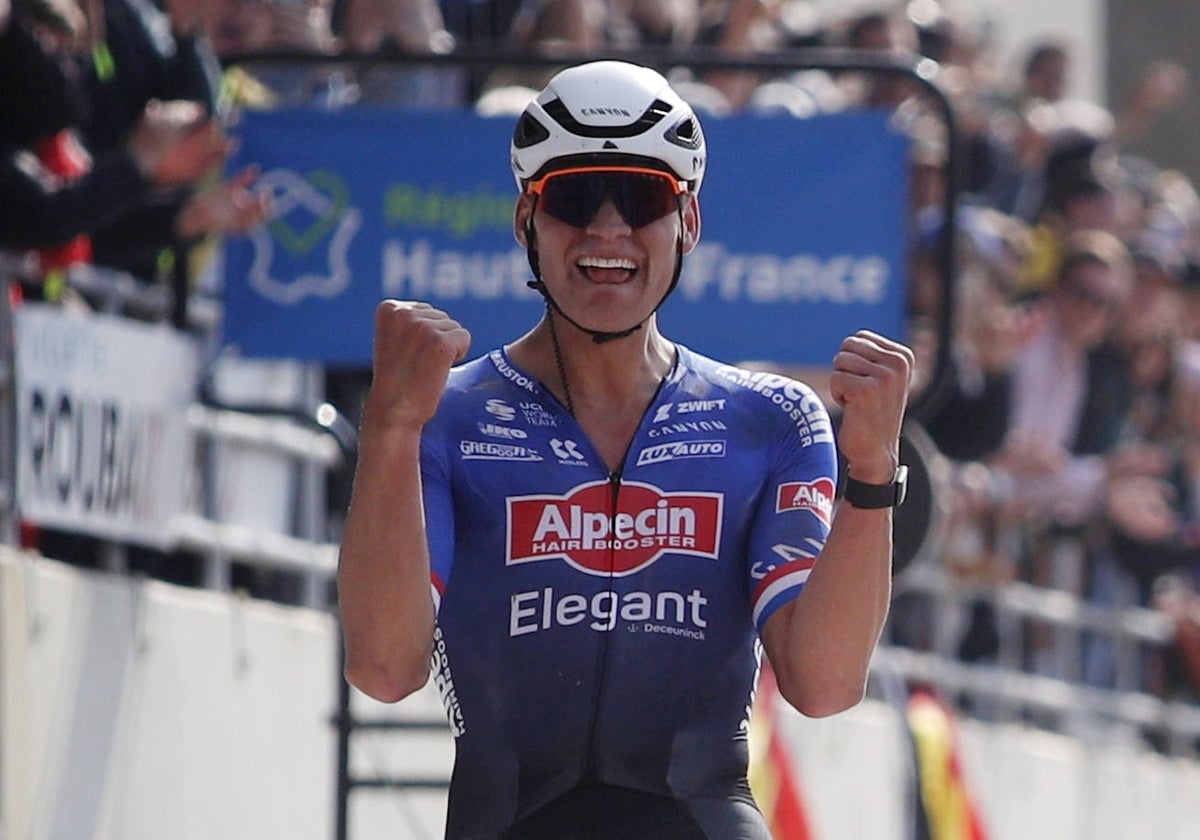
605,812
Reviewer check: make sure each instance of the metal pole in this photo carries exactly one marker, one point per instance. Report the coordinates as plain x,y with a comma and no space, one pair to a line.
345,725
9,515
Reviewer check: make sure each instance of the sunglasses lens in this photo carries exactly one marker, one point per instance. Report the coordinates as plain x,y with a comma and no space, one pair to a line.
640,198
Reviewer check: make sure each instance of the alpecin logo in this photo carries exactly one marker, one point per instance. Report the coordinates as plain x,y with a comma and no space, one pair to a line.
815,496
583,529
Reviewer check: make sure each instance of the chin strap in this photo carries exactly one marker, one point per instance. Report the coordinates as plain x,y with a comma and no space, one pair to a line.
598,336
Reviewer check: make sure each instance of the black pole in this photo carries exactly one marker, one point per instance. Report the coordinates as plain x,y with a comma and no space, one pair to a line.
345,725
180,286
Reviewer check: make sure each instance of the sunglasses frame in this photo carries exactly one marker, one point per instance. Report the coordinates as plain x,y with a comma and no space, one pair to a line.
678,187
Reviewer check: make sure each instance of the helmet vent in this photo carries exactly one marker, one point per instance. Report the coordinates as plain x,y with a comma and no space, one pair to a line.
529,132
685,133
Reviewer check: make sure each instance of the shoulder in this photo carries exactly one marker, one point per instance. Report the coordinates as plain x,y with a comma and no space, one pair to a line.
777,400
489,381
753,386
467,375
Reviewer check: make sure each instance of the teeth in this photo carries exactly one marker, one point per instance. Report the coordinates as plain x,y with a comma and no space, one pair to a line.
601,262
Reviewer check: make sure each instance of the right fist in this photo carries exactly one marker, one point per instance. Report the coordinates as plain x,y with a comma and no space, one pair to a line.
415,347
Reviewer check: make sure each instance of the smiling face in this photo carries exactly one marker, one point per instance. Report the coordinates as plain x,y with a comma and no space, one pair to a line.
608,275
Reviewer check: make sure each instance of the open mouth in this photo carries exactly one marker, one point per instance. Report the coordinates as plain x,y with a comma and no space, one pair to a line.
607,269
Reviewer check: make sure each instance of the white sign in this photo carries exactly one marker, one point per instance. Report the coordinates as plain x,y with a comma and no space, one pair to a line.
103,445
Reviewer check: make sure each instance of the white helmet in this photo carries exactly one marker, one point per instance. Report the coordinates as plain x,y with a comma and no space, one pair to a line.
608,112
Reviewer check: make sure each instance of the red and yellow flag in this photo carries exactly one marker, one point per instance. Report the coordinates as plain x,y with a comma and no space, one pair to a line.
950,812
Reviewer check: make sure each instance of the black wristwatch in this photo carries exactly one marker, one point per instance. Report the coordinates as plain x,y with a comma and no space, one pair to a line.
875,496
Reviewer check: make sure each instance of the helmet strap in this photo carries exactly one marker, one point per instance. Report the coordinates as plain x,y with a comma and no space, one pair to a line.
598,336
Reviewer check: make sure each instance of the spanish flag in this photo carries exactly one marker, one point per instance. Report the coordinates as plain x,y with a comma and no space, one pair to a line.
773,777
946,810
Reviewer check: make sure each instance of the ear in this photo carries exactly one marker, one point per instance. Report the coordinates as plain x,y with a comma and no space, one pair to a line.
521,218
691,224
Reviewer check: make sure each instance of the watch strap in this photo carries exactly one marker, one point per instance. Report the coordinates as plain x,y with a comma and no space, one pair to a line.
876,496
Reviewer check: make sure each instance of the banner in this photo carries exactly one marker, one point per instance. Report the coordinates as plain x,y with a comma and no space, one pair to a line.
103,444
803,237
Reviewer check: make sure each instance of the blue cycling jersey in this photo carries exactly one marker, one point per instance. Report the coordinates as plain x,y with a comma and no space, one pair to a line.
601,629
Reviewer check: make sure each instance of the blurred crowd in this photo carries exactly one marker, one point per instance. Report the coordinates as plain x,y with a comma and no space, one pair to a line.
1070,415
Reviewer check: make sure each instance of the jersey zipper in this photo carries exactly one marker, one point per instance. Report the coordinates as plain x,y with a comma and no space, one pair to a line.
614,482
590,770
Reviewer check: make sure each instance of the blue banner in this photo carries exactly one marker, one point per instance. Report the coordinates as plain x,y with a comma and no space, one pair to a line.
803,242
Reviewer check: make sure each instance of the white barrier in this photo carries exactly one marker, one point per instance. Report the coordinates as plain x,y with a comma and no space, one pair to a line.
136,710
142,710
104,445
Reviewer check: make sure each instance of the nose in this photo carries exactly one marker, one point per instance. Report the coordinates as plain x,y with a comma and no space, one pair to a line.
608,221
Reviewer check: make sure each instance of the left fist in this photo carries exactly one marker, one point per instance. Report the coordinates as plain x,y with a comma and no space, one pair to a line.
870,382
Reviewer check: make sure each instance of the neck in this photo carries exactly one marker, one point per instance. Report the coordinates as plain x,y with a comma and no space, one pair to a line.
611,374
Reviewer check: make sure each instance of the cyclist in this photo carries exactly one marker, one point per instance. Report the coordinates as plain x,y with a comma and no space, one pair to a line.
612,523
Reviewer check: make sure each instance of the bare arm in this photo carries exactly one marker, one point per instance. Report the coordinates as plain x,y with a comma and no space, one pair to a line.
820,644
383,568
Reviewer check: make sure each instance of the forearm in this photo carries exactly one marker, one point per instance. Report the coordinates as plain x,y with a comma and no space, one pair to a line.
820,645
39,213
383,570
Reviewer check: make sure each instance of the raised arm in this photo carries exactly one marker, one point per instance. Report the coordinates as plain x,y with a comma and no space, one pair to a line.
383,569
820,644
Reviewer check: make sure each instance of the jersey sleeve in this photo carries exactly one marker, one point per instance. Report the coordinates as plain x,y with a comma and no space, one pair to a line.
438,503
795,512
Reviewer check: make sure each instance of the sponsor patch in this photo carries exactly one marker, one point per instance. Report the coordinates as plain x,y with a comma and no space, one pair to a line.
707,406
582,528
568,452
661,452
486,450
500,410
815,496
537,415
507,432
511,373
687,427
795,399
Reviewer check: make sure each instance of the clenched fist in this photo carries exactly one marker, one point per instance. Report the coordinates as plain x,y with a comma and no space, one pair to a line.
415,347
870,381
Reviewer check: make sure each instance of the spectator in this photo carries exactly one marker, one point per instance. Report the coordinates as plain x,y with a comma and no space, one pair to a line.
739,27
991,328
147,54
248,27
1161,86
144,54
1077,187
172,144
1068,397
550,27
406,26
889,34
659,23
1046,74
968,427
